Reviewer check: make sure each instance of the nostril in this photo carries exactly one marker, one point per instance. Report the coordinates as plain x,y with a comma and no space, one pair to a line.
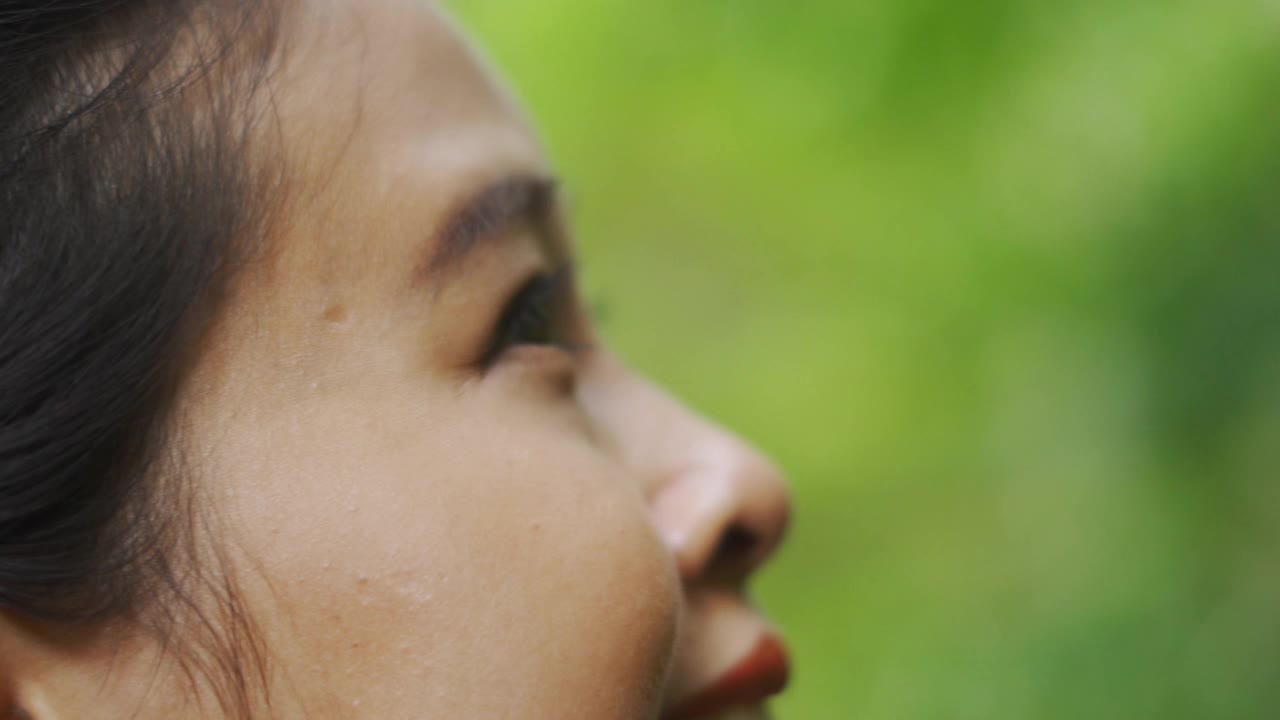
737,544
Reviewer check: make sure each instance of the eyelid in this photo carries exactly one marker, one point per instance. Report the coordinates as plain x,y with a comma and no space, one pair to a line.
549,292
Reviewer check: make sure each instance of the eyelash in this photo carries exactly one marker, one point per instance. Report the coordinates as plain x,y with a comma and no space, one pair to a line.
535,315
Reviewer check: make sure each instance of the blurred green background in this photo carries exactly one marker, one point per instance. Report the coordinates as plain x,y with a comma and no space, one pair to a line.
998,282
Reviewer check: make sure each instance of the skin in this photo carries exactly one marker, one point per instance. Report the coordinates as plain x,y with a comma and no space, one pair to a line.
415,535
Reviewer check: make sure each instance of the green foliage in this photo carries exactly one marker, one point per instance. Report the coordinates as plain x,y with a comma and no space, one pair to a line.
996,282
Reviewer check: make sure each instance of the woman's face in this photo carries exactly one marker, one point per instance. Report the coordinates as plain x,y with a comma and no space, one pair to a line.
443,497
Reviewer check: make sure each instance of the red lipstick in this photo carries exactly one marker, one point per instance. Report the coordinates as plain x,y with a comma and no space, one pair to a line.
759,675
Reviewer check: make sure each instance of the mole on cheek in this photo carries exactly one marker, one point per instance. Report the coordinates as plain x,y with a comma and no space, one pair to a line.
335,313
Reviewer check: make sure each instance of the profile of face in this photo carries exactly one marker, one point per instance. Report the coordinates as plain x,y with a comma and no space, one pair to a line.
441,495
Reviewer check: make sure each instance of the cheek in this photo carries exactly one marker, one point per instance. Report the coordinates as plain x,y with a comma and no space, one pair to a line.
474,569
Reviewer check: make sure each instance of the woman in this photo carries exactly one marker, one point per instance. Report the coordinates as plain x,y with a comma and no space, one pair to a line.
300,412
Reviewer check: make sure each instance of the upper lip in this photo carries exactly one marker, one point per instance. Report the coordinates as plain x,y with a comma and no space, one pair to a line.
758,675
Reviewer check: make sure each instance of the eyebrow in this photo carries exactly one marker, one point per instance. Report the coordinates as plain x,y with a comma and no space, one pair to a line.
478,218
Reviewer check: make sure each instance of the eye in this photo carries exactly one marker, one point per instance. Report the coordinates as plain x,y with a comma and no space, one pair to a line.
538,314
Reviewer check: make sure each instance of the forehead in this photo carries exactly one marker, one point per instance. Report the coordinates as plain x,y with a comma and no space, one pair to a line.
386,115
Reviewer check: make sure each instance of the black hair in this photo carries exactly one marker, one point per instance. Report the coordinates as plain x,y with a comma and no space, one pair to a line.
125,197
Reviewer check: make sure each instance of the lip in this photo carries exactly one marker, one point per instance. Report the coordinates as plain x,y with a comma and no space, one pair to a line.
761,674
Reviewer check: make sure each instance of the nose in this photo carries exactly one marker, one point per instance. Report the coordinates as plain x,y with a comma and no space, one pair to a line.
721,506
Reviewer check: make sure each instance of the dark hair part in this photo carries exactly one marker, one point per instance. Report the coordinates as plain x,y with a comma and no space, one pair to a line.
125,197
